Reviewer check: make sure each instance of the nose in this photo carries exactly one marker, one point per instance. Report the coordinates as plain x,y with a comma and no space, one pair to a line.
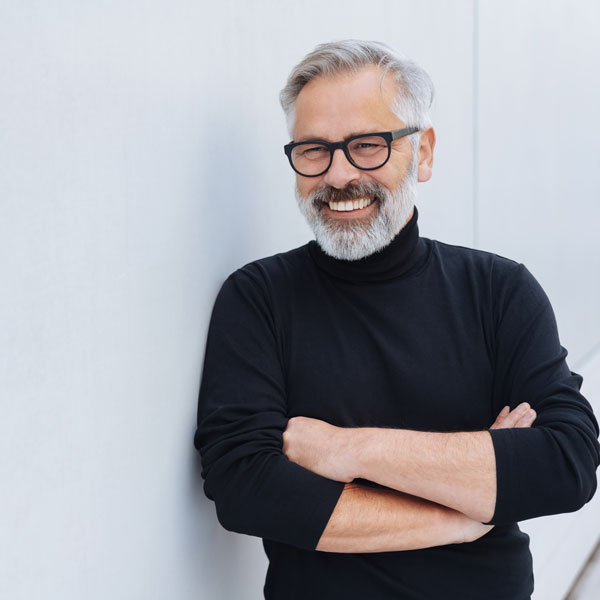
341,172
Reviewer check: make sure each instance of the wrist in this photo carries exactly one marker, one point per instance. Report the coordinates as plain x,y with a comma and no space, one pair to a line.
360,448
374,446
454,527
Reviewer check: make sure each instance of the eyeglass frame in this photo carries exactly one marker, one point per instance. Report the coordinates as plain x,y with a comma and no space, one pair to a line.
388,136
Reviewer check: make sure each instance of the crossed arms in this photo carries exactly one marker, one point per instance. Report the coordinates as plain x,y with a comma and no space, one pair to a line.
289,480
448,480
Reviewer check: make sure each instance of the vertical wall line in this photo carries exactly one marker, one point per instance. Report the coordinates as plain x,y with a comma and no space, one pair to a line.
475,190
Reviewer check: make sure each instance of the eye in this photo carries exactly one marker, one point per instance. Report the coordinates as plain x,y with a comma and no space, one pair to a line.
312,151
368,146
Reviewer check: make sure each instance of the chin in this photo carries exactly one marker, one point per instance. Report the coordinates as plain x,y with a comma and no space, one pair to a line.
353,239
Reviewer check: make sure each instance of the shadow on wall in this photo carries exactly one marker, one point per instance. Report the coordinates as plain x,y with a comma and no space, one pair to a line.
216,555
227,199
229,195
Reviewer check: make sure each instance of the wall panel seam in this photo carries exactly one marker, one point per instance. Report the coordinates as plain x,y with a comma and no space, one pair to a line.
476,123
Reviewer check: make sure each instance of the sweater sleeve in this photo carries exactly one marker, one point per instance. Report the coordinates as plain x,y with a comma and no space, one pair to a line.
241,417
551,467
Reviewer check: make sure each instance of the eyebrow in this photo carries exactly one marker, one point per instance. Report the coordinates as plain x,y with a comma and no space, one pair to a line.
307,138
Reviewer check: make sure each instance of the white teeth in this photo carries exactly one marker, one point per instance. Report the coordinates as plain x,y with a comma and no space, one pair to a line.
350,204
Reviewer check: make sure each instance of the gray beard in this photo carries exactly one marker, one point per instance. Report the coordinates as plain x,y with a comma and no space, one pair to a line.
353,240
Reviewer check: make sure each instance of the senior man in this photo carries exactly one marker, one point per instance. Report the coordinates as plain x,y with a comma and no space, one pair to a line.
381,408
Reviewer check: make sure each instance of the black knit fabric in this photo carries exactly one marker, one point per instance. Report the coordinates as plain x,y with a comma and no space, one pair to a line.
422,335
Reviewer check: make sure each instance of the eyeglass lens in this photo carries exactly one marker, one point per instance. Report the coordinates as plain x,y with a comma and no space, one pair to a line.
366,152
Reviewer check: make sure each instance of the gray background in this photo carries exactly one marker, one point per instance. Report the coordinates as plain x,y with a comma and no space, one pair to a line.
141,162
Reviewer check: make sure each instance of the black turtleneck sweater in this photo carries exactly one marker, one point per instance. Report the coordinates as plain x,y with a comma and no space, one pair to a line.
421,335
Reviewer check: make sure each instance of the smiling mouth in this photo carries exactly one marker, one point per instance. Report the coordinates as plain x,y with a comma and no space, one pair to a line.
350,205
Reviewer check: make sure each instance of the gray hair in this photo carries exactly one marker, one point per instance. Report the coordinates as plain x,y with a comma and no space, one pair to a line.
415,88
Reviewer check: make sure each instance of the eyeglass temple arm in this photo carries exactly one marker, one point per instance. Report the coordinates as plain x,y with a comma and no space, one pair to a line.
403,132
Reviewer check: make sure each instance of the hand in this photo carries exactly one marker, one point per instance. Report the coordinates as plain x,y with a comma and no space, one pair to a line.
319,447
522,416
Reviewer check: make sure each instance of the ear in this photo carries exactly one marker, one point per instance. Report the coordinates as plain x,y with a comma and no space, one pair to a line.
426,146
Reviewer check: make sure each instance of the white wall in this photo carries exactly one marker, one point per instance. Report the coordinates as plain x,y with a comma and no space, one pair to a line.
141,161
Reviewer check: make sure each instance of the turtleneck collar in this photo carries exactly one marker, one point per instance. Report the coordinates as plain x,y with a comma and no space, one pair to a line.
402,255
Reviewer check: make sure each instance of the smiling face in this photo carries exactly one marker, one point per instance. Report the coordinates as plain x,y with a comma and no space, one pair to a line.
352,212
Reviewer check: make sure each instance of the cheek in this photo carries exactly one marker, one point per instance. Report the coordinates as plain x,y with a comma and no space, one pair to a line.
300,185
389,179
306,185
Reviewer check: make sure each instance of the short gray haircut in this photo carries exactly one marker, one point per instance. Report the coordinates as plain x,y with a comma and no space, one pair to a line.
415,88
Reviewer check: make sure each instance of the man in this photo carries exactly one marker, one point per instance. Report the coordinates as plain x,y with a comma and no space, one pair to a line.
382,408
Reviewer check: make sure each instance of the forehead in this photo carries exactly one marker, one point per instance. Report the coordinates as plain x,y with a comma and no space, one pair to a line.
334,107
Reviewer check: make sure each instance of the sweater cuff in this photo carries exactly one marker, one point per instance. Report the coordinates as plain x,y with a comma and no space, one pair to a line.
507,480
323,504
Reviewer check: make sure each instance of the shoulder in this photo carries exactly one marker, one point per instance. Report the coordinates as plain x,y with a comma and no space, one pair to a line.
251,293
504,277
269,276
271,269
463,257
499,269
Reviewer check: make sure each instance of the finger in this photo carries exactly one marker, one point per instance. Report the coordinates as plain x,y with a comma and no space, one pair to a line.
510,419
504,412
527,419
499,419
285,438
515,415
505,419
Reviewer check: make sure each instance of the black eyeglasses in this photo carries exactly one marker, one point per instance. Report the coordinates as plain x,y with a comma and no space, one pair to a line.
367,151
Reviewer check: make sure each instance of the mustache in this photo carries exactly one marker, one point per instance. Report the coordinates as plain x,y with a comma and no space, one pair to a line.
350,192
